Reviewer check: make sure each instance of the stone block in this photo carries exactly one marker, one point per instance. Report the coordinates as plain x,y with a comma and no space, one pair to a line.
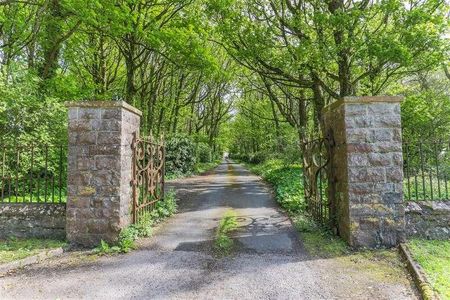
79,202
388,121
111,113
360,147
82,138
83,125
79,178
388,147
397,159
392,198
109,138
382,187
111,149
397,135
364,209
76,151
73,113
108,162
367,198
367,174
394,174
109,125
98,226
382,135
440,207
382,109
359,135
106,178
359,121
358,160
85,113
356,110
379,159
85,191
428,219
85,163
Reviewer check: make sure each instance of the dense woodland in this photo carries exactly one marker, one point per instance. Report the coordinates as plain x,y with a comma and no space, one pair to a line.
248,77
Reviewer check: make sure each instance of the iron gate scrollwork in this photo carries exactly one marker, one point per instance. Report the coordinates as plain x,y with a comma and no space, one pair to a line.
147,174
317,170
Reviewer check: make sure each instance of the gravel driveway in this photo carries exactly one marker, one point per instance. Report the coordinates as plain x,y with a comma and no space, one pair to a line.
177,263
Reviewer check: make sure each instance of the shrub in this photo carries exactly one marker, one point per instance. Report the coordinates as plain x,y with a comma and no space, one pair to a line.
287,182
257,157
204,153
240,156
291,154
180,155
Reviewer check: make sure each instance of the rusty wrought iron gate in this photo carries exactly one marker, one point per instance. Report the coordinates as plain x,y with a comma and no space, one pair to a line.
317,172
147,174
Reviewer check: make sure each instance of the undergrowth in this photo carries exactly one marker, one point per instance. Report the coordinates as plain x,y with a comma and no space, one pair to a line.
198,169
287,182
126,242
223,243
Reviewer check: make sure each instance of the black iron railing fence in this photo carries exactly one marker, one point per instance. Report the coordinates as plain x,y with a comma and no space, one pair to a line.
426,170
33,174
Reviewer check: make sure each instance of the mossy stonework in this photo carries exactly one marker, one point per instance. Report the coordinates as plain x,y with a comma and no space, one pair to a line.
32,220
428,219
99,170
367,167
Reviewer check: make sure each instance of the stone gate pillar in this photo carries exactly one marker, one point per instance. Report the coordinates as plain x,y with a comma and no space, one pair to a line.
367,166
99,170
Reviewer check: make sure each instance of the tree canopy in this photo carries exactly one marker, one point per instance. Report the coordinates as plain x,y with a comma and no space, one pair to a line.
248,76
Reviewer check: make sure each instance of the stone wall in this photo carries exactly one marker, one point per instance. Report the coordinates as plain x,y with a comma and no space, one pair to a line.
367,165
99,170
428,219
37,220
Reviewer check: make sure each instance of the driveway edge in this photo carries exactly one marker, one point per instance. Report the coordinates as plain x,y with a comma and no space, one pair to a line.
419,277
34,259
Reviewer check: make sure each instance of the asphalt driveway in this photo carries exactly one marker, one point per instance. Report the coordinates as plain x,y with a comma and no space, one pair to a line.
177,262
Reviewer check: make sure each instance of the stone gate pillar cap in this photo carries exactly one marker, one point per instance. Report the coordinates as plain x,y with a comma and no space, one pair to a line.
363,100
104,104
370,99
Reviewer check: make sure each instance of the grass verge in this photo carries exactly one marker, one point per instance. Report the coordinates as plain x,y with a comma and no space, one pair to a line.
15,249
223,243
144,228
434,258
